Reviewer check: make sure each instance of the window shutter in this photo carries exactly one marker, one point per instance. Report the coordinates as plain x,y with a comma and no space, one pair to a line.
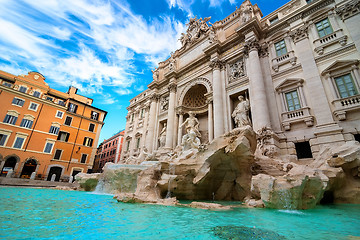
59,136
84,142
67,137
75,109
91,142
14,120
21,103
22,124
57,154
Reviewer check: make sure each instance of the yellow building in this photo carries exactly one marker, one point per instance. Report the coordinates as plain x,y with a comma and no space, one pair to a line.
45,131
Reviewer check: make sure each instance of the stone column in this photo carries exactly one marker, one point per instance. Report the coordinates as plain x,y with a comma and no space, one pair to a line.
146,119
216,64
133,140
257,92
223,89
210,121
152,120
181,119
171,116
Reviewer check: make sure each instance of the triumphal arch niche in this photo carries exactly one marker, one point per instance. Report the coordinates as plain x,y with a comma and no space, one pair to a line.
195,98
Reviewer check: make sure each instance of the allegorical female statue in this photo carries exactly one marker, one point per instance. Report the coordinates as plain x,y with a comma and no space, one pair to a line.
241,113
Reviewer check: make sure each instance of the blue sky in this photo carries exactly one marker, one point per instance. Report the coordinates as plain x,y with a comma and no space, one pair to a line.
106,48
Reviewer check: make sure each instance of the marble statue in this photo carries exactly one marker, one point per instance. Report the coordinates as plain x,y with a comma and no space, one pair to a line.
162,137
241,113
190,140
191,123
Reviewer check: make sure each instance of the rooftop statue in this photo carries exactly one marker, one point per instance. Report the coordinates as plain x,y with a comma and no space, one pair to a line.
196,28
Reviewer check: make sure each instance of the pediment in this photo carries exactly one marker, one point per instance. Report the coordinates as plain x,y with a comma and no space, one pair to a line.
340,64
289,82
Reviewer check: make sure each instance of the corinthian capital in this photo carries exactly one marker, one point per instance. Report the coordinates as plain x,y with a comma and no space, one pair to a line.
154,97
251,45
299,33
172,87
216,64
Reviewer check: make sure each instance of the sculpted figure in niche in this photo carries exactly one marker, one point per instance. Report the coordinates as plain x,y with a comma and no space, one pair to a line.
162,136
241,113
155,73
191,123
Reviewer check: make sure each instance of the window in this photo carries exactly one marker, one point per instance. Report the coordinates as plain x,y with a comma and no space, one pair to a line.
274,20
27,123
280,48
10,119
88,142
59,114
2,139
33,106
345,86
49,98
37,94
323,27
68,121
83,158
61,103
127,145
48,147
292,100
18,102
309,1
303,150
91,127
94,115
19,141
72,108
138,143
132,117
22,89
63,136
7,84
142,113
57,154
54,129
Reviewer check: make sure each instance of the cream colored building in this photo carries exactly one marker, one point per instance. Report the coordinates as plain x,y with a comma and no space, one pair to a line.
298,66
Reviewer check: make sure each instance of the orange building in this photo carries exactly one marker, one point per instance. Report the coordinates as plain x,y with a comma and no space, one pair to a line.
111,149
46,131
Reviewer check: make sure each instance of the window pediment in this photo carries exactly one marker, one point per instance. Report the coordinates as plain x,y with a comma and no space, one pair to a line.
288,83
340,64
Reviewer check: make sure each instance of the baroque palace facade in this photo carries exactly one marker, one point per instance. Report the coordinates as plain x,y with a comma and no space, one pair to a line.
45,132
298,68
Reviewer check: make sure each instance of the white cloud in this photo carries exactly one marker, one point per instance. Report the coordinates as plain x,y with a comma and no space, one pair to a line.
61,33
123,91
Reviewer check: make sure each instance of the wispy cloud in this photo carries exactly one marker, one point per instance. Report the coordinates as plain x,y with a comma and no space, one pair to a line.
88,43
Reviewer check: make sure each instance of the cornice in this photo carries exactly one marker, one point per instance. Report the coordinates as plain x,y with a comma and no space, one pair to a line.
335,52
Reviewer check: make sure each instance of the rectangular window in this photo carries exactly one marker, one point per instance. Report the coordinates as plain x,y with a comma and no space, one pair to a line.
48,147
61,103
57,154
54,130
83,158
6,84
68,121
132,117
37,94
94,115
274,20
346,86
22,89
127,145
72,108
19,142
138,143
2,139
33,106
142,113
280,48
323,27
49,98
59,114
292,101
91,127
88,142
10,119
18,102
63,136
26,123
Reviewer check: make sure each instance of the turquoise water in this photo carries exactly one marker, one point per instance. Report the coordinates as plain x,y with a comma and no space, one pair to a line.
28,213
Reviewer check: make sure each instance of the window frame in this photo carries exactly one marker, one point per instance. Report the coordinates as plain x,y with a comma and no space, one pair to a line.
61,152
82,156
13,117
295,106
36,104
67,135
88,142
57,113
23,136
6,133
37,94
51,148
279,48
93,129
71,119
22,87
352,81
94,115
319,31
72,107
20,100
26,123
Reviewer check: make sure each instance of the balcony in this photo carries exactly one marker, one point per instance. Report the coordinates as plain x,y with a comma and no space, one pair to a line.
328,40
299,115
344,105
288,57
